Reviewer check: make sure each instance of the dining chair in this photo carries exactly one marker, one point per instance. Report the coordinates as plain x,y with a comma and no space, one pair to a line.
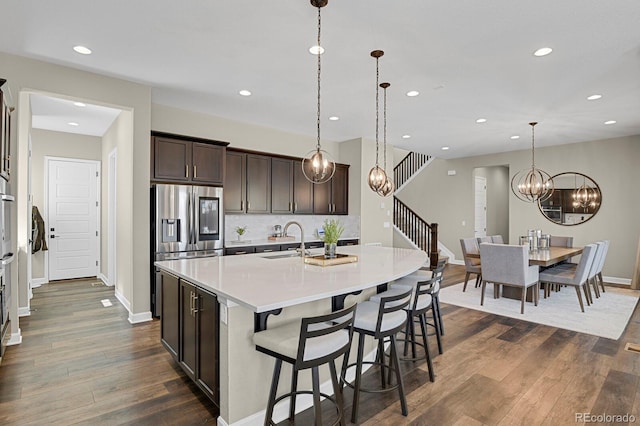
601,264
471,264
576,277
496,239
485,239
557,241
508,265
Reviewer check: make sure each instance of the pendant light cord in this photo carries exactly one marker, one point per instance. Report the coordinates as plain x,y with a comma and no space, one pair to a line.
319,67
377,125
533,150
385,128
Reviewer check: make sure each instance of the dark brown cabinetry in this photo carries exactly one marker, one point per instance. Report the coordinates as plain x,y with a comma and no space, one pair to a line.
291,192
5,135
190,160
333,197
199,341
170,326
247,183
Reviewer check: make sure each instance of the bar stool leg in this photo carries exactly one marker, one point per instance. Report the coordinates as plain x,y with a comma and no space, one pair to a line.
396,362
437,323
273,392
356,384
294,387
380,359
437,305
315,380
337,391
425,341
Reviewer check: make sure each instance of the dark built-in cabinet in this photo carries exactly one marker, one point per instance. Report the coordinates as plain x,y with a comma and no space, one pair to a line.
247,183
190,332
181,159
333,197
256,183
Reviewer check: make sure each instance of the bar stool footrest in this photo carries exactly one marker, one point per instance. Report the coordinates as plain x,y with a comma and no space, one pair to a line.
369,390
308,392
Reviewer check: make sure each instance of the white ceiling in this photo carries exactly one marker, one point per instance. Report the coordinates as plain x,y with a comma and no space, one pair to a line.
468,59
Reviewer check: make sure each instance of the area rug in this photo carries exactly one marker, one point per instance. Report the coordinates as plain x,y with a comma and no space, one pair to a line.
606,317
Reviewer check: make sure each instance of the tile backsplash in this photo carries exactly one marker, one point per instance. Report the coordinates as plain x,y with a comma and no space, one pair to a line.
260,227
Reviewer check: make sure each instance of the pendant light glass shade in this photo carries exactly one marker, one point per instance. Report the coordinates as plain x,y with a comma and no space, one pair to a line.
388,187
377,175
532,184
318,165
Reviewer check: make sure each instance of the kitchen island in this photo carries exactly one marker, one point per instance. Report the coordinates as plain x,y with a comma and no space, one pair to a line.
250,286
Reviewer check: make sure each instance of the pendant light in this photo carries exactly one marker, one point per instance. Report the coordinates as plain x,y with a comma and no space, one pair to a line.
377,176
318,165
388,187
584,196
532,184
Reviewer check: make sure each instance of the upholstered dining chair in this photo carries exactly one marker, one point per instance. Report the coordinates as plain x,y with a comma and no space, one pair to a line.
471,264
496,239
557,241
485,239
576,277
601,264
504,264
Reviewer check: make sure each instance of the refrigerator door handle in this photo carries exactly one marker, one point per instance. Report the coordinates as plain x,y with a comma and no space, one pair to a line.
194,210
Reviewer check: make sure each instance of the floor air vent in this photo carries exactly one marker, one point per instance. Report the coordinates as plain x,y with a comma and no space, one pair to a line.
632,347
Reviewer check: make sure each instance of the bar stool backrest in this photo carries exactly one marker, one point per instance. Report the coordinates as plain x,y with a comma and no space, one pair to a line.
389,305
325,329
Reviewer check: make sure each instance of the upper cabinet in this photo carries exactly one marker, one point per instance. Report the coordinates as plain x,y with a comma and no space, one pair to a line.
247,183
333,197
176,158
291,192
5,135
257,183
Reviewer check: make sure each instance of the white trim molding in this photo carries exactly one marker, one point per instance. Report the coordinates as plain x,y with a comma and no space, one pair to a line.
37,282
15,339
141,317
24,311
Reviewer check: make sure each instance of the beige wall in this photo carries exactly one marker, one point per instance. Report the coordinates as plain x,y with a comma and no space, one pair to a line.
612,163
26,76
54,144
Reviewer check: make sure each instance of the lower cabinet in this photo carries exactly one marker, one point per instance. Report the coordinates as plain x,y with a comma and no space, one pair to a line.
199,338
190,323
170,314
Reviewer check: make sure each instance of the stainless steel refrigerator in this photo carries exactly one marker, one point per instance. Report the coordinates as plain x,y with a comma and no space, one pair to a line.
187,221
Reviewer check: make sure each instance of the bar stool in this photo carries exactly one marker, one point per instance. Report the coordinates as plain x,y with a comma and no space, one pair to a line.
421,303
379,320
304,344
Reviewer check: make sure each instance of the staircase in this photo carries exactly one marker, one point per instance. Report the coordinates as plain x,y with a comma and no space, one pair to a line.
423,234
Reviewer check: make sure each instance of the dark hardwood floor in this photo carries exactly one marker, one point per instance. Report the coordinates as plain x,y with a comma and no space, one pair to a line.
82,363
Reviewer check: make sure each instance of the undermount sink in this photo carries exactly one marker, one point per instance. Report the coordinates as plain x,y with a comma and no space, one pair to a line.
282,256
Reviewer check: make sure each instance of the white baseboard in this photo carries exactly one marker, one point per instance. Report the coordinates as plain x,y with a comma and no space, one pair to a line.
303,402
133,318
104,279
615,280
141,317
37,282
457,262
15,339
24,311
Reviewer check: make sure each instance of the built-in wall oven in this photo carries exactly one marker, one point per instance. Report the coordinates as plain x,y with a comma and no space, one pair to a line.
187,222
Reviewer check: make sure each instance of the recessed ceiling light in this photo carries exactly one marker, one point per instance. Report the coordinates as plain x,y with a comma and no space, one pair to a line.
445,148
334,118
82,50
413,93
80,104
406,136
593,97
610,122
481,120
314,50
543,51
515,137
73,123
244,93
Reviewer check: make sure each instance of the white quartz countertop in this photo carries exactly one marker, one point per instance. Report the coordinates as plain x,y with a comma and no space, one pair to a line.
262,284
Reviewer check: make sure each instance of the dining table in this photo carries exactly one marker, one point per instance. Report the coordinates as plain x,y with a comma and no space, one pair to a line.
541,257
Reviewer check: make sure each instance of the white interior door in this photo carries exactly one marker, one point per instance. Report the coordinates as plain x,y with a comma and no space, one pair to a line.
72,218
480,227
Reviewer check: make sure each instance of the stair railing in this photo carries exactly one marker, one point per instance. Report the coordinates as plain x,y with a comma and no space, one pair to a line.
423,234
409,165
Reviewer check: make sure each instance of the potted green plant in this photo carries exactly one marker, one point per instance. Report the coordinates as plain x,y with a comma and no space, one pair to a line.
240,230
332,230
